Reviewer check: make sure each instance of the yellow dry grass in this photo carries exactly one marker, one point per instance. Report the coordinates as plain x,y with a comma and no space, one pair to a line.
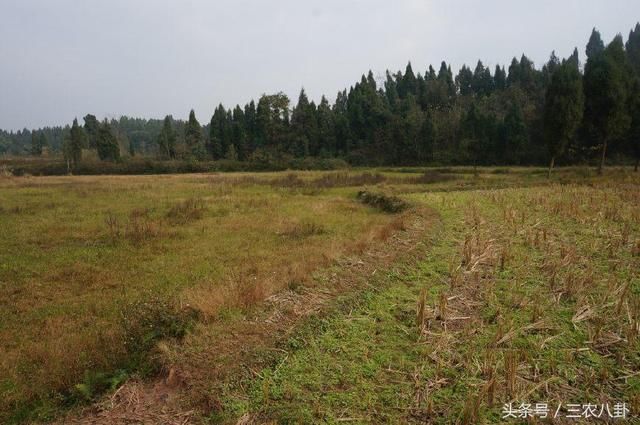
77,252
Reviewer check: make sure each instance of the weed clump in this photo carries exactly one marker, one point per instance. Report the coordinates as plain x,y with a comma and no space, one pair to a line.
6,171
329,180
146,321
139,228
290,180
346,180
386,203
188,210
96,383
429,176
302,230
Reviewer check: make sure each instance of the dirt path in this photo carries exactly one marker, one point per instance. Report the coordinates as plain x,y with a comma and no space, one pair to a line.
193,377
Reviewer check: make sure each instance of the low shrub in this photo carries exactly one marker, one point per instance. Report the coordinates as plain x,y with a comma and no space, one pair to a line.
96,383
346,179
326,181
386,203
128,166
430,176
146,321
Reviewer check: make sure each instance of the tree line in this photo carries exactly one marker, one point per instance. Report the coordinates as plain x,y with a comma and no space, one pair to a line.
565,112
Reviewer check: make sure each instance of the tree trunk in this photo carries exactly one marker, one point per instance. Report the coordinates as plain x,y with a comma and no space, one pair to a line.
604,155
553,161
637,163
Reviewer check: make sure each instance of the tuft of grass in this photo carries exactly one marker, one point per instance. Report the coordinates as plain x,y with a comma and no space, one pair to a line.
186,211
302,230
386,203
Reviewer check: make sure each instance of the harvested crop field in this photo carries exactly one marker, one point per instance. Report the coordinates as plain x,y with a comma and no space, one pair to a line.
288,298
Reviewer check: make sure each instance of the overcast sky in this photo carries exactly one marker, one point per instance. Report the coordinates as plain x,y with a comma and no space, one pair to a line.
148,58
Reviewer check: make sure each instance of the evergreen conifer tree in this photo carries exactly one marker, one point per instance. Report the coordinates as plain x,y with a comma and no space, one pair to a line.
606,86
595,46
563,108
193,136
106,143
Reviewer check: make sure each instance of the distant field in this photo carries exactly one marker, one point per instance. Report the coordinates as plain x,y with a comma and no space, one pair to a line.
517,288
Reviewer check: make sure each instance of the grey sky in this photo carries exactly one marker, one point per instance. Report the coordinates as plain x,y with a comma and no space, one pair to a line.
149,58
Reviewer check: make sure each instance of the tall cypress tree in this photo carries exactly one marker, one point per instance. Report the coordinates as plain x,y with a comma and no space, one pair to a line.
473,133
408,85
500,78
633,55
514,76
529,78
564,103
482,83
250,125
239,134
446,78
344,140
107,143
513,136
77,141
38,142
264,125
391,91
477,84
606,87
300,123
326,129
464,81
43,142
549,68
633,48
219,133
595,46
91,126
574,59
427,138
193,136
167,139
634,128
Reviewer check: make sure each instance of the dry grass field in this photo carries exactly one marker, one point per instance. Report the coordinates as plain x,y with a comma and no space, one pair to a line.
93,269
283,297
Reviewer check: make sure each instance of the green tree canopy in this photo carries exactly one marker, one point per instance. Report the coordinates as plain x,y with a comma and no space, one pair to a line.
193,136
606,87
107,143
564,103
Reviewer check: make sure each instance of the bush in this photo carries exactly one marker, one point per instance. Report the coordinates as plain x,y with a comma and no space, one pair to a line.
145,322
127,166
430,176
386,203
96,383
